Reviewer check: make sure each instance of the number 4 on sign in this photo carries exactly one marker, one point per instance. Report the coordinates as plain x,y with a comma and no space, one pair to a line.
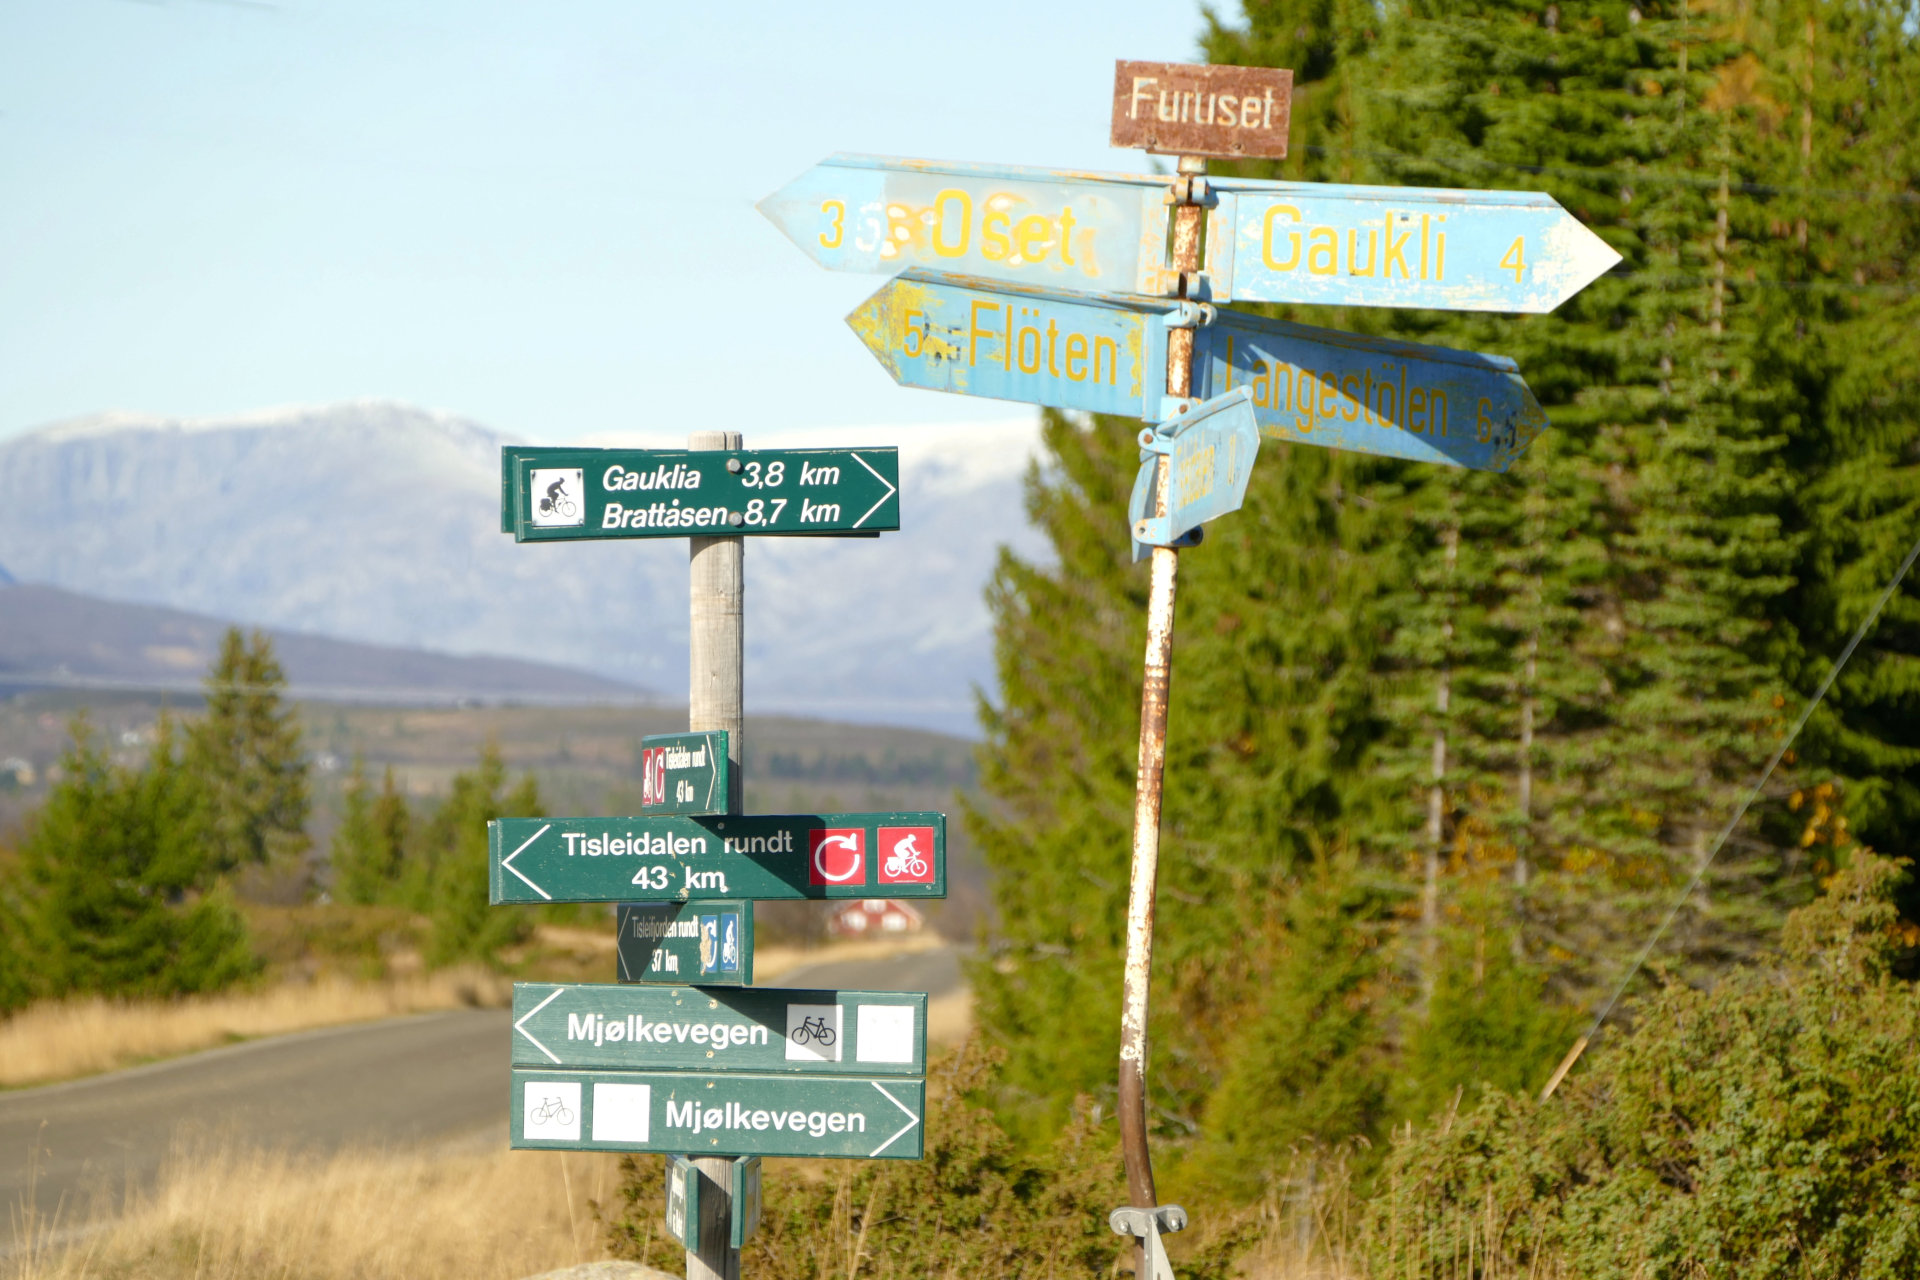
1516,261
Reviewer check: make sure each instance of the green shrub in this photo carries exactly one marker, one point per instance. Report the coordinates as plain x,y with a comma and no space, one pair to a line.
1766,1129
976,1206
119,894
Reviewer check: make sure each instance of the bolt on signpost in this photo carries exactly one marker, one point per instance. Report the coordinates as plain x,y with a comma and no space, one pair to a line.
1098,292
684,1057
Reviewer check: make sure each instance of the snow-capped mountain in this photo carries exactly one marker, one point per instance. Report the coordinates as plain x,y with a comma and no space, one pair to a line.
379,522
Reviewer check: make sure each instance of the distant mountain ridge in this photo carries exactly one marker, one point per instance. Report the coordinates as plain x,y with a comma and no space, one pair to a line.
378,523
51,637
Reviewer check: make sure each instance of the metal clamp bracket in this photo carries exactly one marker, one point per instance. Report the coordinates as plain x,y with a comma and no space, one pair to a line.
1151,531
1148,1225
1190,315
1190,188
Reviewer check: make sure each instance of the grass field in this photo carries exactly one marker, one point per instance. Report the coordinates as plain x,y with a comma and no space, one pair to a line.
65,1039
475,1212
62,1039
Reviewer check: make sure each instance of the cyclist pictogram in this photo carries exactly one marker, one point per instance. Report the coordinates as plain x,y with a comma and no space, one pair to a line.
908,855
905,862
558,494
551,1111
812,1031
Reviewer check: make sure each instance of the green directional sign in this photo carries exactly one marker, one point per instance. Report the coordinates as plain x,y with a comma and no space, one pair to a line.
709,942
763,1029
686,859
706,1114
683,1202
746,1199
684,1193
684,772
564,495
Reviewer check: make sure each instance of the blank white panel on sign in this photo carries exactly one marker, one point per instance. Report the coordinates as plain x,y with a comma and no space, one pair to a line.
886,1033
621,1111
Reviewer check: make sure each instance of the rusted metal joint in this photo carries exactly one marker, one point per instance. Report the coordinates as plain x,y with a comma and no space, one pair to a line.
1191,188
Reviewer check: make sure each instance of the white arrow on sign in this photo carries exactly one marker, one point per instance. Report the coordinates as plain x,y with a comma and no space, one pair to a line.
506,864
521,1026
912,1120
883,497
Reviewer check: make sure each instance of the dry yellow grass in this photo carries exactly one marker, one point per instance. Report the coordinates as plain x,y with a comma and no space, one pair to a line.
59,1040
65,1039
235,1213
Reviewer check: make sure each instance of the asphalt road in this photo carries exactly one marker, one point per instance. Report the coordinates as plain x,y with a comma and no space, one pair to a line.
397,1082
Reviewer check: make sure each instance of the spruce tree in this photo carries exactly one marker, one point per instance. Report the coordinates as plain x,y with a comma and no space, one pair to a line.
120,897
465,926
370,846
246,751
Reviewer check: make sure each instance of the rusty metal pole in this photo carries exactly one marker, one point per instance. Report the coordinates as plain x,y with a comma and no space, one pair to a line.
715,700
1153,756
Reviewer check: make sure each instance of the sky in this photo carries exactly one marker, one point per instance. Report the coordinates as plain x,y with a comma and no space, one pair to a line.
539,216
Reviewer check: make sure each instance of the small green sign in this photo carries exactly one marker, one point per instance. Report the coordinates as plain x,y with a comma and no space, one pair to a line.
761,1029
563,495
834,1117
746,1199
683,1202
709,942
684,772
685,859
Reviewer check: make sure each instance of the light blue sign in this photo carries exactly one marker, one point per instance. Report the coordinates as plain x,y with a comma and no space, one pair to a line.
1108,355
1106,233
1397,247
1092,232
1371,395
1208,448
1037,346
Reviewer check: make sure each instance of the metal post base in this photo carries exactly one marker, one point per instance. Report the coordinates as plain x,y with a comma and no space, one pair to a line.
1147,1226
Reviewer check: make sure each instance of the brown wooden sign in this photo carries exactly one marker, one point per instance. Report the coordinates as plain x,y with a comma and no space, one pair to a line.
1180,109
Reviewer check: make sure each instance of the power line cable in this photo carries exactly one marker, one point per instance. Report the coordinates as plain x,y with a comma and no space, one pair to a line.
1786,744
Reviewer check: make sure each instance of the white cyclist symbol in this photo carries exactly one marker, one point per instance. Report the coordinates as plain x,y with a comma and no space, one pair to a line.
905,860
851,843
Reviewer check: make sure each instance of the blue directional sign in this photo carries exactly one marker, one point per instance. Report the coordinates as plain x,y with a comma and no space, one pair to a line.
1106,355
1319,243
1397,247
1096,232
976,338
1208,448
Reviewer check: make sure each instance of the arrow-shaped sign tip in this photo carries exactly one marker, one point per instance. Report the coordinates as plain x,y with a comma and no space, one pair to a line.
877,321
1574,257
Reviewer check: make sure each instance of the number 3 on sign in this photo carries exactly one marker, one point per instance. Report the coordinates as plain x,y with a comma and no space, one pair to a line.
1515,261
830,238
